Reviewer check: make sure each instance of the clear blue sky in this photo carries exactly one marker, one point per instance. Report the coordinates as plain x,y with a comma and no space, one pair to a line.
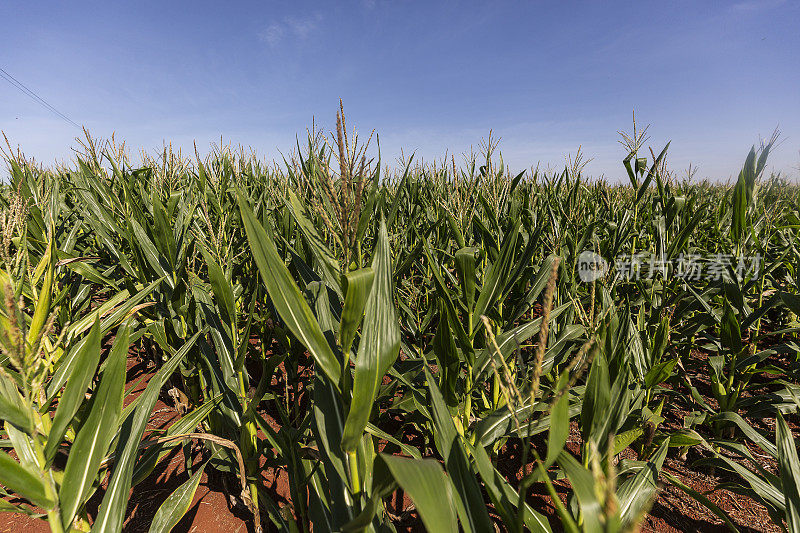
428,76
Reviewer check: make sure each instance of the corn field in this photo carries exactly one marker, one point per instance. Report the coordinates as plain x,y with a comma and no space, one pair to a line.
372,333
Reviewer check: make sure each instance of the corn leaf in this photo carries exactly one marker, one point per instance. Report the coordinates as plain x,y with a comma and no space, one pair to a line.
285,295
379,346
96,433
175,506
427,486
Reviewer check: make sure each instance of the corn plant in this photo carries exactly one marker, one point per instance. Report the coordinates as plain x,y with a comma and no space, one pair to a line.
373,332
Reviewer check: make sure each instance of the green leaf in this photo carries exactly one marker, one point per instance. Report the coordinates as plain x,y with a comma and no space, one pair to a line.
6,507
363,519
641,163
626,438
286,296
12,407
660,341
740,197
792,301
327,263
537,285
789,467
379,346
500,422
444,348
583,484
457,234
766,489
637,492
497,276
444,295
328,425
711,506
405,448
23,481
114,312
450,446
43,301
156,452
176,504
115,500
96,433
730,333
465,268
223,292
510,340
85,366
748,430
559,422
358,285
400,188
677,244
151,254
503,495
597,398
164,237
427,486
659,373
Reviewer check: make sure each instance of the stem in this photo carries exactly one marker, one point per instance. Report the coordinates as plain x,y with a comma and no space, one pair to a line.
591,312
496,392
760,298
468,398
248,440
346,381
54,520
53,515
355,480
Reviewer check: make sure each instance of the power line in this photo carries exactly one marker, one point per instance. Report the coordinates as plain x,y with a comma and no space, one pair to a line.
19,85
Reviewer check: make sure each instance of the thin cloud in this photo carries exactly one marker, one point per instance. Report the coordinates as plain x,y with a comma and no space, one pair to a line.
273,34
290,27
756,5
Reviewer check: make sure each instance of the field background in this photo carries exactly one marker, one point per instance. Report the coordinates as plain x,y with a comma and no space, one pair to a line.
322,345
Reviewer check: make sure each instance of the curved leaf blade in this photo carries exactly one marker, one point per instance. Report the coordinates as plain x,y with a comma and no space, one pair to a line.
285,295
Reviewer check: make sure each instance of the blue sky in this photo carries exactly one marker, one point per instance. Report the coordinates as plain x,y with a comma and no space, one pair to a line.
430,77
